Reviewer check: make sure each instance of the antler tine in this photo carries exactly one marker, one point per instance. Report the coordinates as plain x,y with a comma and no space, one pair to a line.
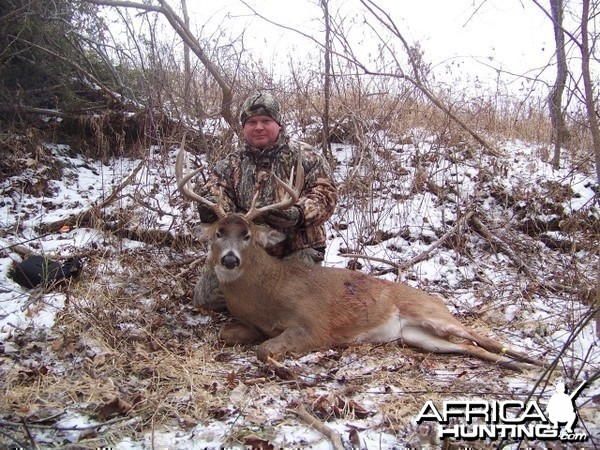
297,189
293,193
186,188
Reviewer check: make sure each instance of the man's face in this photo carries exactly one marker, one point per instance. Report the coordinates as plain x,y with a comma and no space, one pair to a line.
261,131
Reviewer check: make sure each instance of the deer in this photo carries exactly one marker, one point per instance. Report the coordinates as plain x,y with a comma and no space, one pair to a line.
293,308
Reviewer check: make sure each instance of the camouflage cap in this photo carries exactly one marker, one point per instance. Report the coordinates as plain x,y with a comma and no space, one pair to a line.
261,104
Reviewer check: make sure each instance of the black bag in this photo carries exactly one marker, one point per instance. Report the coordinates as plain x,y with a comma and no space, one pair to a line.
38,270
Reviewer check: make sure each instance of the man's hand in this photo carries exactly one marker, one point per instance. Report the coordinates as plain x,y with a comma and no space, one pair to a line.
284,219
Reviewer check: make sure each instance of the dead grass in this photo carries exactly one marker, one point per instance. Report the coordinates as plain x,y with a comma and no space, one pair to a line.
129,346
129,349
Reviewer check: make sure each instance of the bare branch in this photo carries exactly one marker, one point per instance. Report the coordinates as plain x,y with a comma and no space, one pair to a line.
114,96
386,20
190,40
428,253
334,437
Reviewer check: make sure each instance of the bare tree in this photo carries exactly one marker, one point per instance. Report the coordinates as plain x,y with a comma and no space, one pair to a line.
590,101
582,42
327,77
190,40
555,99
592,115
385,21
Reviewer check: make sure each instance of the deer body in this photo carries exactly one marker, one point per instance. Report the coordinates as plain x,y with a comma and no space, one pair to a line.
297,308
292,307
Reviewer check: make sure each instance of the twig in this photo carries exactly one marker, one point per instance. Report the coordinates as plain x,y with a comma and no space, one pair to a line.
14,439
281,371
190,266
336,440
371,258
423,255
544,378
86,215
255,381
427,253
275,363
29,435
494,240
59,428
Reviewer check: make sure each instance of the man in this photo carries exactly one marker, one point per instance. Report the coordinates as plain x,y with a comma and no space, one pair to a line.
268,150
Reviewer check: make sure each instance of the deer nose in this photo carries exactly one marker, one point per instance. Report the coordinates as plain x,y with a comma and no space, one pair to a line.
230,261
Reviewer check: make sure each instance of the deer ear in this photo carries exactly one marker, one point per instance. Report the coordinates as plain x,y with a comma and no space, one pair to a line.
267,236
202,231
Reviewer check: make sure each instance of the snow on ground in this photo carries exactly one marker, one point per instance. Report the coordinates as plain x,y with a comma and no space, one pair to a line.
409,197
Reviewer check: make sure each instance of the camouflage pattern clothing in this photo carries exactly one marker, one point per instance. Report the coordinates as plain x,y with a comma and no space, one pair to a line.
241,174
260,104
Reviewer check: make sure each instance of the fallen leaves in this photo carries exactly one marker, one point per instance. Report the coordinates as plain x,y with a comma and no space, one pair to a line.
116,407
330,406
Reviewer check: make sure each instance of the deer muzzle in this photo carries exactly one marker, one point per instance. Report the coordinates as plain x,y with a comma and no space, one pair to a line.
230,261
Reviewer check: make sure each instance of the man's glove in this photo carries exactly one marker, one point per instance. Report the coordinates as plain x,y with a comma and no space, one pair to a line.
284,219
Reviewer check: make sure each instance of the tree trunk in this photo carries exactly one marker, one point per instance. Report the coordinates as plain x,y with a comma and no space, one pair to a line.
592,116
555,100
327,84
187,66
587,85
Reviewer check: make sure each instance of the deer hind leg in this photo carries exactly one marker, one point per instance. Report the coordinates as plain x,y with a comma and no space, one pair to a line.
429,341
457,329
239,333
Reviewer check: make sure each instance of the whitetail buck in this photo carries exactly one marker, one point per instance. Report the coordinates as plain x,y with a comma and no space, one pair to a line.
293,307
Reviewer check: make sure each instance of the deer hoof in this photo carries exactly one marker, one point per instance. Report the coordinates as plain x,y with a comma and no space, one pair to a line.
237,333
263,354
267,352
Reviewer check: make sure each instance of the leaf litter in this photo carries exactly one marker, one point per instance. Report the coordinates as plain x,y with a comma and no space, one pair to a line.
121,358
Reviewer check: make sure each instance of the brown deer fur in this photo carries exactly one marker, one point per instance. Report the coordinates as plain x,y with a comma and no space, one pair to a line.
297,308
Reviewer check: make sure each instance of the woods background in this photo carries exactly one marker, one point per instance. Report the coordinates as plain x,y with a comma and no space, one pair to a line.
115,75
429,168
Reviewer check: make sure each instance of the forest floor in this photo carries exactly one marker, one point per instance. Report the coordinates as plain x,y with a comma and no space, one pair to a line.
120,358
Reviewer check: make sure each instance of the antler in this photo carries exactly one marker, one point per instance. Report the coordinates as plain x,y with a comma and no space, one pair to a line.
292,192
185,185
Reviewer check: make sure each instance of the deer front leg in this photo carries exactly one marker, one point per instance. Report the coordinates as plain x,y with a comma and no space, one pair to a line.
239,333
290,340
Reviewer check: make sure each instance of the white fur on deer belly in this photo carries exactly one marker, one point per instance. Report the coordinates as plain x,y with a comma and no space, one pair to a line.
388,331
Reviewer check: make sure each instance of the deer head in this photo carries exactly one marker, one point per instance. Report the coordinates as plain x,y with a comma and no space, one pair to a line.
234,237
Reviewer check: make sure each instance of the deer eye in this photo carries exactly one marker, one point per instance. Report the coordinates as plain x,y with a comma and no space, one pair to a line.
218,234
247,237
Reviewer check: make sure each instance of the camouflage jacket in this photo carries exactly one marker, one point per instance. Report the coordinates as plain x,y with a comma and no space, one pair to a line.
243,173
